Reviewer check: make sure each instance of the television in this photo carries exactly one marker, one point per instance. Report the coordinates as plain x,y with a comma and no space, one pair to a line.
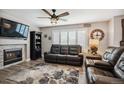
10,28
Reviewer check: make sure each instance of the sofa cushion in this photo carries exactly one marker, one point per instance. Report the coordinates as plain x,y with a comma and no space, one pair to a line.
74,49
116,55
55,49
61,58
108,53
99,64
96,71
107,80
64,49
51,56
93,71
75,58
119,67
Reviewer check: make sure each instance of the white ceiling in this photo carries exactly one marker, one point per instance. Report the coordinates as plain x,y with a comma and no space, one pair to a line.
76,15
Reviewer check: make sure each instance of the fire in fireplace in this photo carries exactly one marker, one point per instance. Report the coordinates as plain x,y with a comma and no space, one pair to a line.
12,55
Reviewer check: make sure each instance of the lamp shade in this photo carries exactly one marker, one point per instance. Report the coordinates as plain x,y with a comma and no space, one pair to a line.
94,43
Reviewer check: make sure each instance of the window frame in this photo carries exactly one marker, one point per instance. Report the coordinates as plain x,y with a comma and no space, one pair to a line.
76,32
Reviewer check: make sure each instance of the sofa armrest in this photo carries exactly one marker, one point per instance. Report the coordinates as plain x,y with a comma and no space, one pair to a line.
107,80
103,64
46,52
80,55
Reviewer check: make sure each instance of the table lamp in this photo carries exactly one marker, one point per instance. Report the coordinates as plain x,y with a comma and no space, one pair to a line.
94,43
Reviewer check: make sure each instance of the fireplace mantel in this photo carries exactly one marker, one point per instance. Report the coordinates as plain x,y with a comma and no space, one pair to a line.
6,41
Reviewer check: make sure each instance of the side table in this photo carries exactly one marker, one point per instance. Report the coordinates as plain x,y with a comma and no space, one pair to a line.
91,56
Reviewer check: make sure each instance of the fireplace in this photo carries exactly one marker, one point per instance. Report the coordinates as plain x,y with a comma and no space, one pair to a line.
12,55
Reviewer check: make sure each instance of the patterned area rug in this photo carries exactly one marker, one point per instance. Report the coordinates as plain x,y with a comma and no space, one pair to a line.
44,73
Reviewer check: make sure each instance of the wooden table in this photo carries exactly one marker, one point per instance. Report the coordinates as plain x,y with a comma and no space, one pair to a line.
91,56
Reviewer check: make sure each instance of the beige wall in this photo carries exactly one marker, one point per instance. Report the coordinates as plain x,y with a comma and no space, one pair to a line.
18,41
46,44
111,33
115,33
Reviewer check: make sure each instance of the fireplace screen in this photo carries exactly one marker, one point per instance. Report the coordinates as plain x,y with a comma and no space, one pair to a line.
12,55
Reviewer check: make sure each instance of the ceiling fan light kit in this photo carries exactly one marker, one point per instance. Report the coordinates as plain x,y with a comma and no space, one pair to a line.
53,17
54,21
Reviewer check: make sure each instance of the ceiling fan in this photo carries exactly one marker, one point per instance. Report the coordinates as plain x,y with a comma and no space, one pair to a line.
53,17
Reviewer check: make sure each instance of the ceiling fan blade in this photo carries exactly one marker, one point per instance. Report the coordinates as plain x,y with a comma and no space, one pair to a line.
44,17
63,14
46,12
63,19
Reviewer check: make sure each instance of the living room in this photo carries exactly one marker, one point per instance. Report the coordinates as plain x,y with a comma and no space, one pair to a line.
59,49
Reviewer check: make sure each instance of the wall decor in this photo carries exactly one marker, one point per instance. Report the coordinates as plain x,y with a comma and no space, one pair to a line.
97,34
45,36
49,38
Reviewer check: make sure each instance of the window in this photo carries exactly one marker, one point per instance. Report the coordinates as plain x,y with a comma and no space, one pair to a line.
64,39
56,37
72,38
77,37
82,39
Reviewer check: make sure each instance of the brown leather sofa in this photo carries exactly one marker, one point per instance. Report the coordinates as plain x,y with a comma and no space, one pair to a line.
109,71
64,54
